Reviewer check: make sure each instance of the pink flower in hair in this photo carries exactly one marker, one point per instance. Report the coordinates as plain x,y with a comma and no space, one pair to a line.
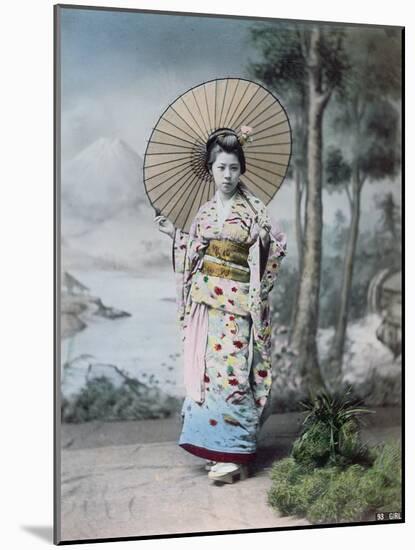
246,130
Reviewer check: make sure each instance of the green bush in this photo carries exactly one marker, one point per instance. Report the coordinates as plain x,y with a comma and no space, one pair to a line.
331,477
383,481
335,494
330,433
313,447
99,399
295,486
342,499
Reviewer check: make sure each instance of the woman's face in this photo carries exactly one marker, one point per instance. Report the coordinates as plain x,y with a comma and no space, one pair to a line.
226,171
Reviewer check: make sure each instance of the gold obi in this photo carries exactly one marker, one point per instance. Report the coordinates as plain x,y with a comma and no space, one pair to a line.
228,259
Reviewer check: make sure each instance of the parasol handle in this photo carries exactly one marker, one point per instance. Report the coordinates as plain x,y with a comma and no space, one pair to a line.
249,202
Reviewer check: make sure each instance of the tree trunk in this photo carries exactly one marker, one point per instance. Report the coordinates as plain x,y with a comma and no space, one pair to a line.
298,225
298,173
304,333
335,357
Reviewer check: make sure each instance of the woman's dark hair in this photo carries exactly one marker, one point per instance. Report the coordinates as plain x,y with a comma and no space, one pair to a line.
224,140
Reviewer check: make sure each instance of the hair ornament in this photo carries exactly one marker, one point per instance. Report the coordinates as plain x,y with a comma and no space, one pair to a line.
245,136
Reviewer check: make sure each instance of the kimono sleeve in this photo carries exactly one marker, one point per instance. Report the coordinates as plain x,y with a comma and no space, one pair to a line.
188,250
272,257
180,240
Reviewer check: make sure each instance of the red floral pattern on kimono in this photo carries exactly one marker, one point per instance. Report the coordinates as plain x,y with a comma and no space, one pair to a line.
234,297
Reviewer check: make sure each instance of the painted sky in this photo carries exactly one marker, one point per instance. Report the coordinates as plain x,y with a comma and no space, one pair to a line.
131,66
120,70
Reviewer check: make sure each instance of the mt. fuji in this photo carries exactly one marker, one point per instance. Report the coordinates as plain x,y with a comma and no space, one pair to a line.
107,220
102,180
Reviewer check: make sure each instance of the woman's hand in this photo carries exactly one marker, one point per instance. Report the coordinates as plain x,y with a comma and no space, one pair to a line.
164,225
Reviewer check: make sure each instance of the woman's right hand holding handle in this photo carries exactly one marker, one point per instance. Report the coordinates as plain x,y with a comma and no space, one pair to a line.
164,225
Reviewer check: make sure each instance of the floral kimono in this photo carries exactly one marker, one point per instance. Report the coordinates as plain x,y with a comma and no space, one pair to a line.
223,277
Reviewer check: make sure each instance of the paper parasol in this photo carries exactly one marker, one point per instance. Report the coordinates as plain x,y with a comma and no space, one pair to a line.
175,177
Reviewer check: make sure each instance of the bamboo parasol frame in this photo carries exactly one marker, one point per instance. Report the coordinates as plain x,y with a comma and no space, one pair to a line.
176,180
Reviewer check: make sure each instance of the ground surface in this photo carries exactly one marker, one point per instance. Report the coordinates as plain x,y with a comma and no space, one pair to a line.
124,479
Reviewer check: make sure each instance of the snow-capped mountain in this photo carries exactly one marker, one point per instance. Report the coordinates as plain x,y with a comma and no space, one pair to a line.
107,220
102,180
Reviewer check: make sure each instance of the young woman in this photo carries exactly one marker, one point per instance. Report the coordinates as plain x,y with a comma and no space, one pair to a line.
225,268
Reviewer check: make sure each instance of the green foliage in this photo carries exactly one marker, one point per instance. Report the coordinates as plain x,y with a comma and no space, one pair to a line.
383,481
379,155
335,494
331,430
101,400
313,447
285,51
376,249
374,62
337,170
330,476
283,65
390,217
333,58
342,499
295,487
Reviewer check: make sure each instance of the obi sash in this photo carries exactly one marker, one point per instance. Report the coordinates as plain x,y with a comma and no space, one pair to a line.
228,259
